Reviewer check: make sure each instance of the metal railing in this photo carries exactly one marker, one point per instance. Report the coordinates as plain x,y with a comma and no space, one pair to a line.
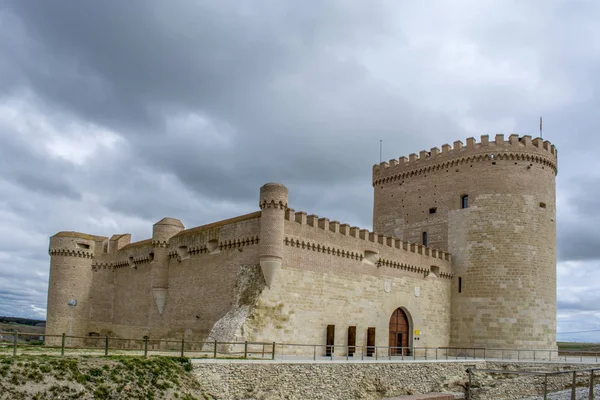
545,375
17,343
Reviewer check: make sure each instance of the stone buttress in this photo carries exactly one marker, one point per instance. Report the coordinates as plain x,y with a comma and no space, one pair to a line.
162,231
273,203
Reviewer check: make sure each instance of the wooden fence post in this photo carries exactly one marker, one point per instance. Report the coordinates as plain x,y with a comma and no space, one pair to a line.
146,346
15,339
469,387
62,345
106,345
182,346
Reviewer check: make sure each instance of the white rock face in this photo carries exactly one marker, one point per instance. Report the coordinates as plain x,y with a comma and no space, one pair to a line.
249,285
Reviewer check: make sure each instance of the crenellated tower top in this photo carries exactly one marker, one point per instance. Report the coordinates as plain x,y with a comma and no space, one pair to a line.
518,148
273,195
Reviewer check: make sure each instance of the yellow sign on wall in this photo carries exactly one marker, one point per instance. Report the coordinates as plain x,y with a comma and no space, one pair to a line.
417,332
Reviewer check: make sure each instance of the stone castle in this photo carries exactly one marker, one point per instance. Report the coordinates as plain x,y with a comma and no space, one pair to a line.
462,254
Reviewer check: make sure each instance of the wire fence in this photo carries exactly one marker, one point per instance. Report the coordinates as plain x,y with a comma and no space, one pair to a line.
17,343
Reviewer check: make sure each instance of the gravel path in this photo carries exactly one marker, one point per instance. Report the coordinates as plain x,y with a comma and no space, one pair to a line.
581,394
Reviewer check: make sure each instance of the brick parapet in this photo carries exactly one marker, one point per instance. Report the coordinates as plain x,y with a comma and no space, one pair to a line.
518,148
364,235
233,233
310,232
230,244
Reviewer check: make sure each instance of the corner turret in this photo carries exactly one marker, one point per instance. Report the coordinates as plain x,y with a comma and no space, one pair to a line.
273,203
71,255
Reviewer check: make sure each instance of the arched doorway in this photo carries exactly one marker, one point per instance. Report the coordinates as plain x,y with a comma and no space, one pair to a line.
399,333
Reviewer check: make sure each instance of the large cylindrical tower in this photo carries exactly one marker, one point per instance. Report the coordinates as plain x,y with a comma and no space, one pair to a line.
71,255
273,203
492,206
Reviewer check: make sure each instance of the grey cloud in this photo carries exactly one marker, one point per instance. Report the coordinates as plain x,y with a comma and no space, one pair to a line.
577,231
580,300
23,167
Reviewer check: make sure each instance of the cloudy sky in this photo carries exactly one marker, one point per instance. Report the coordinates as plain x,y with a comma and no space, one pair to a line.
114,114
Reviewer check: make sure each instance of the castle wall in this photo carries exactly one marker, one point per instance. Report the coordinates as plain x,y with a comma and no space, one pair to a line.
326,279
502,245
102,295
202,265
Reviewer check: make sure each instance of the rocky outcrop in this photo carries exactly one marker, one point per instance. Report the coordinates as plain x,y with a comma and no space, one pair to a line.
249,285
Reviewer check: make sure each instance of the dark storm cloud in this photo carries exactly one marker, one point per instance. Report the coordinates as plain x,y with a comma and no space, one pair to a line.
284,104
155,54
152,108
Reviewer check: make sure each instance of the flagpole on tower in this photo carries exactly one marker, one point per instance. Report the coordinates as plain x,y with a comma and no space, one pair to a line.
380,145
541,128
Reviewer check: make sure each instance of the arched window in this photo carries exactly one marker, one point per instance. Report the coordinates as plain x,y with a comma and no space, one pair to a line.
425,239
464,201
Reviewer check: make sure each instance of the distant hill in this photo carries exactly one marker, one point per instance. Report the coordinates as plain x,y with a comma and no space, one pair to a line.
22,321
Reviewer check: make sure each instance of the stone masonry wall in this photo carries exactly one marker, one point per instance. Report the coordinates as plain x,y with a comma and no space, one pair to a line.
327,280
203,271
374,381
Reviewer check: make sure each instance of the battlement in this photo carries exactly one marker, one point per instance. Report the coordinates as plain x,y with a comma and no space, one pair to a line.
273,195
78,235
518,148
332,237
76,244
232,233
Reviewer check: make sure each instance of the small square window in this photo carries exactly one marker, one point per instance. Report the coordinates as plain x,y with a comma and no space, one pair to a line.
464,201
432,210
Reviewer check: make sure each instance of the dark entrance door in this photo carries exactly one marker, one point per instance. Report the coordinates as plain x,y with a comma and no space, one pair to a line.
399,333
370,341
330,340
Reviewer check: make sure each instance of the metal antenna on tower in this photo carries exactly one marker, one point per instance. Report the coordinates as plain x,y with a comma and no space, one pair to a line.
541,128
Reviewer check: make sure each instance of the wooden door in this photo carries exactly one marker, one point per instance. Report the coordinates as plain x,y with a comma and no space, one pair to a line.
330,339
399,333
370,341
351,340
